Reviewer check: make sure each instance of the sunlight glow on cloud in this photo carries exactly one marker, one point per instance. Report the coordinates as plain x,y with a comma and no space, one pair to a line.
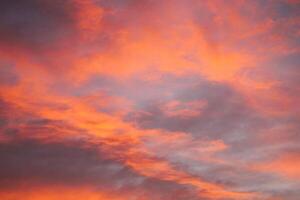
149,100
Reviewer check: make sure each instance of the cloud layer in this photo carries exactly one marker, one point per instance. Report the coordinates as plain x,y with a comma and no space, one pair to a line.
149,100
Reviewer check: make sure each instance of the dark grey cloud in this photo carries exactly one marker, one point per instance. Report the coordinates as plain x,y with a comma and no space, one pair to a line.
56,163
65,163
226,111
35,24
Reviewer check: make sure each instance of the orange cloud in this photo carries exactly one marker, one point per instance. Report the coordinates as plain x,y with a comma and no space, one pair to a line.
286,165
56,193
57,49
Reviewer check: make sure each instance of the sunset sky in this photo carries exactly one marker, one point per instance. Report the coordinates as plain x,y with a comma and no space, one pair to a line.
150,100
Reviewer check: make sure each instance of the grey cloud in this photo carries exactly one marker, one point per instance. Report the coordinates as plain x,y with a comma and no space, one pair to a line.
35,162
35,24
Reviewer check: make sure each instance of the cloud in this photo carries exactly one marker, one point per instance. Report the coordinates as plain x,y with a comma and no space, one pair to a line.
149,100
57,165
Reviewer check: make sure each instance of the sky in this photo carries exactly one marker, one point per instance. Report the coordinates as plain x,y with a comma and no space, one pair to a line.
150,100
